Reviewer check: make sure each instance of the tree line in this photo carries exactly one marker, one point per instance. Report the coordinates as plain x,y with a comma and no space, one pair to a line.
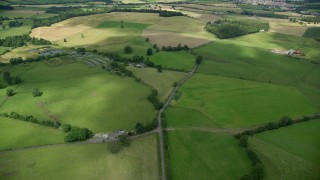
74,133
160,12
18,41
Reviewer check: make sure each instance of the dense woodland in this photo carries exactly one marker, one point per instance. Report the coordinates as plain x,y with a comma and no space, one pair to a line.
228,29
18,41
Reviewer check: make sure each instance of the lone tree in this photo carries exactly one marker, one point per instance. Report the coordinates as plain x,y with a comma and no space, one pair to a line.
147,39
124,140
10,92
114,147
127,49
149,51
159,68
64,40
36,92
199,59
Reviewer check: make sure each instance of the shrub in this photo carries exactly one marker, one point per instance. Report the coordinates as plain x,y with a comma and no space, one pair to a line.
36,92
66,128
149,51
127,49
10,92
114,147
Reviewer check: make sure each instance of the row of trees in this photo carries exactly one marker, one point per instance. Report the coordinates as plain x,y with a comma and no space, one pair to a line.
18,41
161,12
153,98
284,121
10,80
142,128
15,115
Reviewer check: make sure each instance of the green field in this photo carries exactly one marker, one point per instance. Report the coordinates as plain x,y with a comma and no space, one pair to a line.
162,82
16,133
202,155
80,95
118,24
4,49
232,102
260,65
14,31
291,152
188,117
312,32
174,60
83,161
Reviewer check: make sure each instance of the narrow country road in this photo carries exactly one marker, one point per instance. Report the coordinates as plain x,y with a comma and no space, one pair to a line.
159,128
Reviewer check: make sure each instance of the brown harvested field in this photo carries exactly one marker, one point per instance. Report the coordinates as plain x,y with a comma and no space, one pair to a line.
174,30
167,38
283,26
54,33
26,12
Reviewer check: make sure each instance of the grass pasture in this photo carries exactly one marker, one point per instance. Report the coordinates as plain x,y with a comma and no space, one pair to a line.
260,65
15,31
291,152
312,32
237,103
83,161
174,60
17,133
80,95
202,155
162,82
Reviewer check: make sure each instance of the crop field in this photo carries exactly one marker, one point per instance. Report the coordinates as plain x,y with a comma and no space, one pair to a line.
23,52
17,133
291,152
312,32
174,60
99,97
102,32
83,161
240,103
202,155
283,26
162,82
183,30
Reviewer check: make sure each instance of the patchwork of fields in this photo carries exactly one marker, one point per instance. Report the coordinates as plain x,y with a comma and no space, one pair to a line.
219,87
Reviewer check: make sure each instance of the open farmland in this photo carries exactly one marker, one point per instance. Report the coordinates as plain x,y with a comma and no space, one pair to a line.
162,82
260,65
99,97
233,103
83,161
202,155
290,152
312,32
17,133
104,32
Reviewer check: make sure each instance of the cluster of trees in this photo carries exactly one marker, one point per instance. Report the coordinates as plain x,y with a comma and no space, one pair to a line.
141,128
228,29
15,23
120,69
199,59
311,19
153,98
161,13
75,133
127,49
18,41
11,80
81,50
117,146
6,7
15,115
36,92
177,48
271,14
284,121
